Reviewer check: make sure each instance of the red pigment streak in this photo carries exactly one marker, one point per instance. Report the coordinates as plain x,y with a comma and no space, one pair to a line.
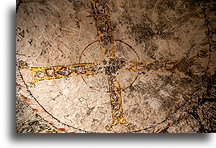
25,98
61,129
179,117
17,84
157,130
168,124
50,123
35,109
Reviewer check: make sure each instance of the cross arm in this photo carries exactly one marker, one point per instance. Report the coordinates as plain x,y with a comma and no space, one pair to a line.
159,66
61,71
150,66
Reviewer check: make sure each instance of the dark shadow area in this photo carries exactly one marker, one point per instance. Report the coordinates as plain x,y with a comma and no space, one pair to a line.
113,137
11,60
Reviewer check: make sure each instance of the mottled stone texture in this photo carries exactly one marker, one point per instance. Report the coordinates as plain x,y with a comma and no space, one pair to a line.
55,32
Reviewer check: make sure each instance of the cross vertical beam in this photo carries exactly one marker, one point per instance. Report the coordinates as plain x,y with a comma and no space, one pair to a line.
116,103
101,15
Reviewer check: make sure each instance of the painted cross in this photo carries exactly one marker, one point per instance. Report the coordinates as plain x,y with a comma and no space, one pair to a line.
111,65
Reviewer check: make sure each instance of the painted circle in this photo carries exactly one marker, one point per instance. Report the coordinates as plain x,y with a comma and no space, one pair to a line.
121,52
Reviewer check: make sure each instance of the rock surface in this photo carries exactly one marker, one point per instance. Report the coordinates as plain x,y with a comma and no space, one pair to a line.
60,33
